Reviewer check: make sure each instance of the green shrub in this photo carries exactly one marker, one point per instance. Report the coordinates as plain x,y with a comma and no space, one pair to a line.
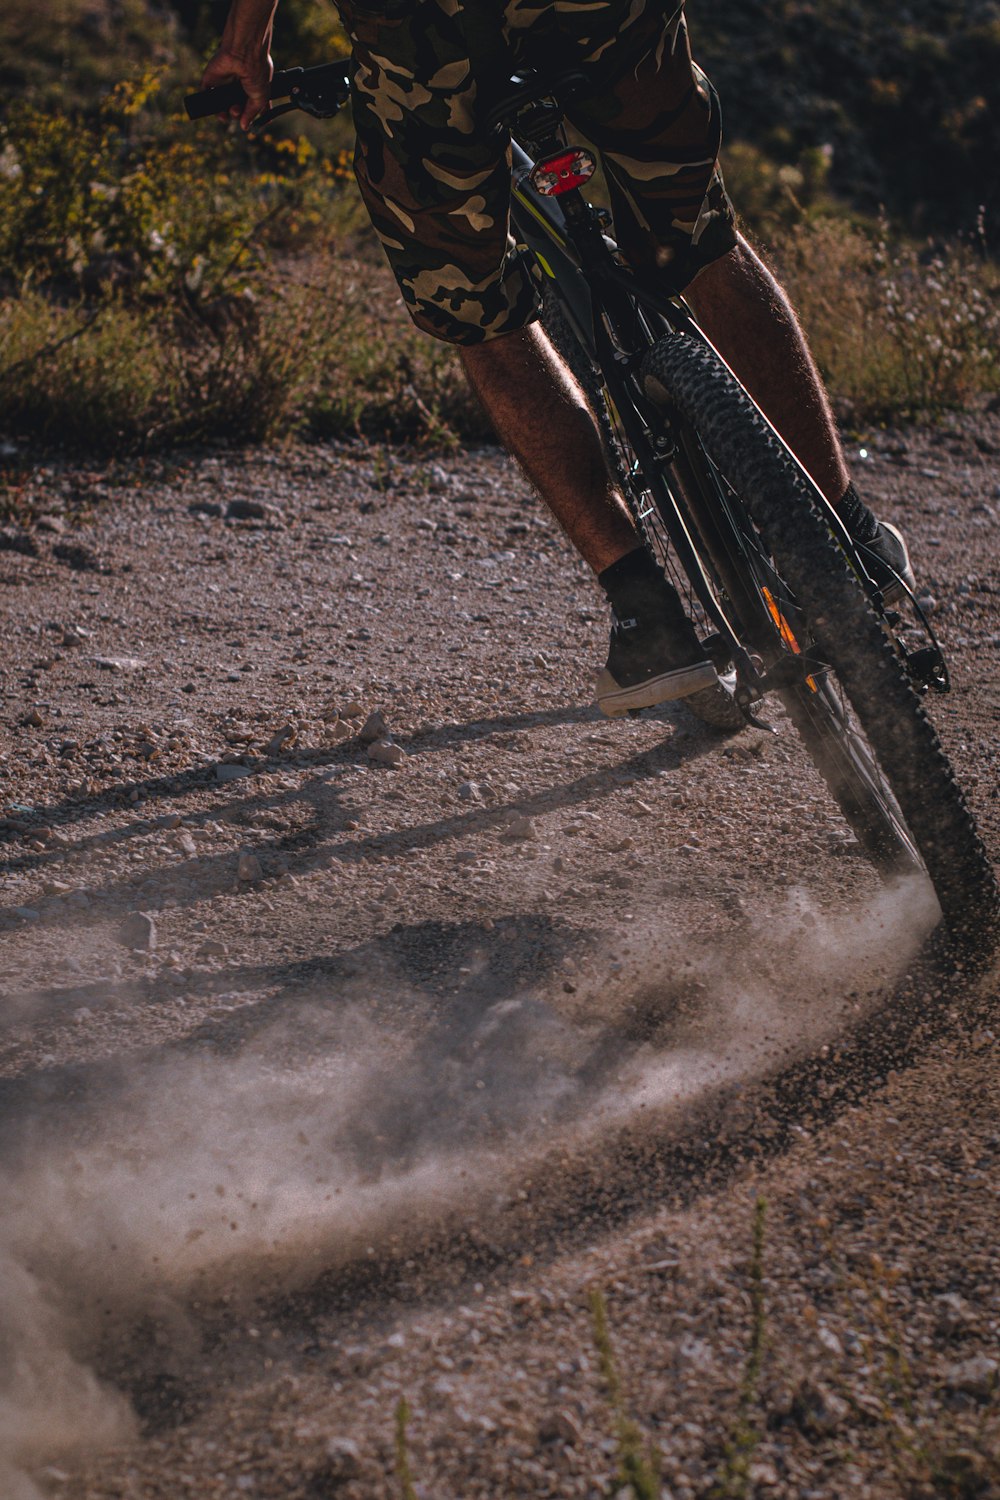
162,287
110,201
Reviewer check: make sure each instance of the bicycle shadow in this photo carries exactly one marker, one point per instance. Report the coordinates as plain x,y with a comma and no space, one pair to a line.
313,844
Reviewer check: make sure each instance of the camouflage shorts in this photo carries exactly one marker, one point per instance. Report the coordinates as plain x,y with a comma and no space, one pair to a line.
437,183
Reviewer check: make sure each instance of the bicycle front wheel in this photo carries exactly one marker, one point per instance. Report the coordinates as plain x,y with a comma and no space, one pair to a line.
848,695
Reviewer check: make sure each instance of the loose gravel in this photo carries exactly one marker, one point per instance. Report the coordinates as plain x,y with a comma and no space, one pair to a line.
368,1000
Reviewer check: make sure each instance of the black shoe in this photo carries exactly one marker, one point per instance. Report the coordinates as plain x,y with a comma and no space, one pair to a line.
651,660
881,545
888,562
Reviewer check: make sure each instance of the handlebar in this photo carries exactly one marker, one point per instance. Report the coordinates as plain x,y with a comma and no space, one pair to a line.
320,91
324,90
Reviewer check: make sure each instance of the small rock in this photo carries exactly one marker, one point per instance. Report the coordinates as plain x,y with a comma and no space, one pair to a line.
954,1314
469,791
341,1463
13,539
186,844
249,867
227,772
341,731
75,635
251,510
35,719
374,728
284,739
213,948
819,1411
927,603
353,710
829,1339
138,931
81,559
974,1377
385,753
560,1427
118,663
519,827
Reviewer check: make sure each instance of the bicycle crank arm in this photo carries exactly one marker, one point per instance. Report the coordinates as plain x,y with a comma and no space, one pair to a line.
750,688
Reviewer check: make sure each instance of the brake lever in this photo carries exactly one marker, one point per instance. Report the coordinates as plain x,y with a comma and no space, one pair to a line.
262,121
320,109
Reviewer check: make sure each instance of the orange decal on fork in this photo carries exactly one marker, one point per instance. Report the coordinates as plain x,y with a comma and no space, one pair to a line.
785,631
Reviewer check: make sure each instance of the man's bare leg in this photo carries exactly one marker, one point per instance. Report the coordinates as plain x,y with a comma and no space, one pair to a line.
542,418
753,325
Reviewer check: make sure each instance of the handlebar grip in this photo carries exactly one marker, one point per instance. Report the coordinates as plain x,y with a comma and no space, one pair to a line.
214,101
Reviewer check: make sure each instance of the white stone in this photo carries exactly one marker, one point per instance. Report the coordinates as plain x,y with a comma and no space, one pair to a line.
138,931
519,827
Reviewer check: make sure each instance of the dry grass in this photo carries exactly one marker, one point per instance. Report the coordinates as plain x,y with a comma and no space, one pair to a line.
899,330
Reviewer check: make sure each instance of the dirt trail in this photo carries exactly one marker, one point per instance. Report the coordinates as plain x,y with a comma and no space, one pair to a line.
326,1080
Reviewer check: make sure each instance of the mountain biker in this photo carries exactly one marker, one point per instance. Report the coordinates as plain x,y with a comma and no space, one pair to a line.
436,181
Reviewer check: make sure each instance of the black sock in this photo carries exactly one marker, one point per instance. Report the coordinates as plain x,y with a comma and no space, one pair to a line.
861,522
635,585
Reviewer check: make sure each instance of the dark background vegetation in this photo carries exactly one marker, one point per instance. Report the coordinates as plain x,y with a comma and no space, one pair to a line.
163,283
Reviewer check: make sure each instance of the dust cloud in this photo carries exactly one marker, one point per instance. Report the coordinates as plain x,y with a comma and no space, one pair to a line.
251,1167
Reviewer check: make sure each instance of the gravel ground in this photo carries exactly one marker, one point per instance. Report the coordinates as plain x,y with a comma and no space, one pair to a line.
369,1000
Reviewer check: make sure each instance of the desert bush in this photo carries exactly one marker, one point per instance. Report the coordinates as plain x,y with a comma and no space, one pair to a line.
898,329
158,290
772,196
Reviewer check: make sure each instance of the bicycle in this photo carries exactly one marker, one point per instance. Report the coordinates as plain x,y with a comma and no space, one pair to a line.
778,589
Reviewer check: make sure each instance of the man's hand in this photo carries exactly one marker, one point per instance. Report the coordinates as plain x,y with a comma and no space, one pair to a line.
253,69
244,56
